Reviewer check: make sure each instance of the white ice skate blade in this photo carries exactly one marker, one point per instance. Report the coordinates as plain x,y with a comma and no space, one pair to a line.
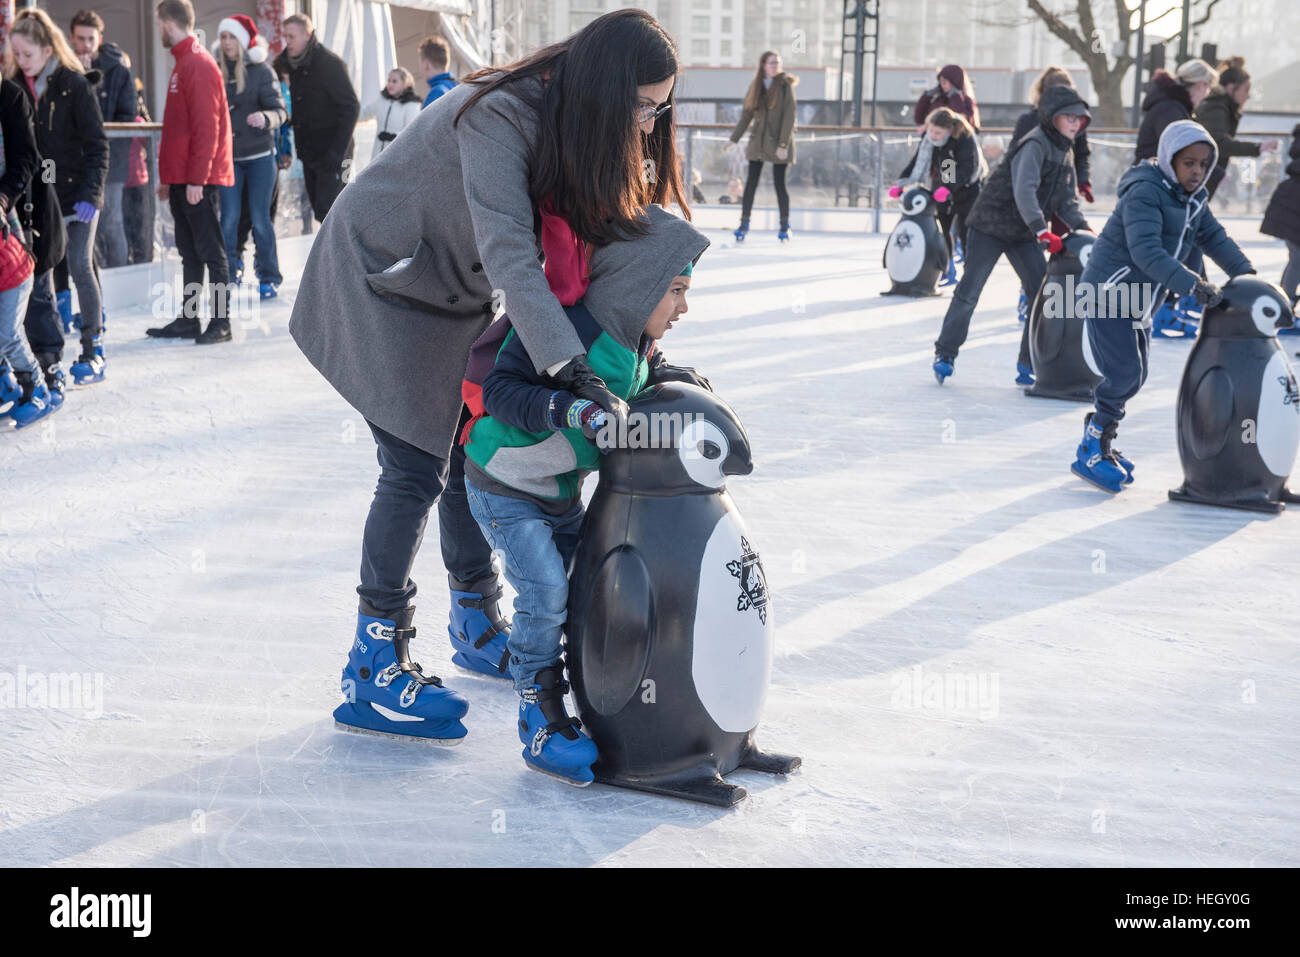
559,777
436,742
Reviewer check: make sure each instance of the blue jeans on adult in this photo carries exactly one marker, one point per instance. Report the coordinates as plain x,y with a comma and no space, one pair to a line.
13,345
259,176
536,549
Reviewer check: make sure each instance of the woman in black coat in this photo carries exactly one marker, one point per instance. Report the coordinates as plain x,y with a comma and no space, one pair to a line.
1171,98
70,135
1282,218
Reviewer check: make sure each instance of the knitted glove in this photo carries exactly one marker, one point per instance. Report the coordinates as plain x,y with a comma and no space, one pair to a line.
1085,190
1206,293
1050,240
577,378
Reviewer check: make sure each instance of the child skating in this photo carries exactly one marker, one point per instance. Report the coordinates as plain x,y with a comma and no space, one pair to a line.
527,458
1162,218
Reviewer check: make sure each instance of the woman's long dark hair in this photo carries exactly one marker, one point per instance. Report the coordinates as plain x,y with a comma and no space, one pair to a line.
590,158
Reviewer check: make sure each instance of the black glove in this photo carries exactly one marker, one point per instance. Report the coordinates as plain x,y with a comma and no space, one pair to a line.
577,378
1206,293
671,373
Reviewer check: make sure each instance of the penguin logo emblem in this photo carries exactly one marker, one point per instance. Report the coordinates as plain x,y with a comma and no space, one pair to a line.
903,241
1292,396
753,583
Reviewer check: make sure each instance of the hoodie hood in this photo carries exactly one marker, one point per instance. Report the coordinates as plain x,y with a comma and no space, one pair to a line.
1165,87
954,75
109,55
1055,101
1180,134
630,277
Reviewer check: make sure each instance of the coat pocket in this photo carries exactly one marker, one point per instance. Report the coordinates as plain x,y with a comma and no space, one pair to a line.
413,279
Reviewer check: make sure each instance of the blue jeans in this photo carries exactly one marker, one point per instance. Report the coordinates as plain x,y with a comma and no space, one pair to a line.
259,175
536,549
13,345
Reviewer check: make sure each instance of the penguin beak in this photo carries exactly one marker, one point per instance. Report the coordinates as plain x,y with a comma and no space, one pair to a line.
738,464
1284,321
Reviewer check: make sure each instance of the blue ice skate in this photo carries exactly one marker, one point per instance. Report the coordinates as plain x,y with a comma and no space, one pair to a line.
1024,374
267,290
90,367
388,694
553,742
949,275
36,401
943,367
741,231
1092,463
477,631
1178,320
1022,307
784,234
958,252
10,391
1107,437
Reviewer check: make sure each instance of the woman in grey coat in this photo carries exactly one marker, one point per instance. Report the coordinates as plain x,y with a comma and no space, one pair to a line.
431,241
256,112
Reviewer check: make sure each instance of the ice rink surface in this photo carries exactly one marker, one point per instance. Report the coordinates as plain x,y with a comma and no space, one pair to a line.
981,659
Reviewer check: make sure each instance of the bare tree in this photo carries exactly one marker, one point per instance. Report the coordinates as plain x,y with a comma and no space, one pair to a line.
1079,31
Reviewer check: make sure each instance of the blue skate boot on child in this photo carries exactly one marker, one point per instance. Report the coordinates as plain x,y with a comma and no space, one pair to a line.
949,275
741,231
90,367
10,391
783,235
553,741
63,303
477,631
1022,307
958,252
1177,320
1108,436
389,694
35,400
1094,461
943,366
1024,374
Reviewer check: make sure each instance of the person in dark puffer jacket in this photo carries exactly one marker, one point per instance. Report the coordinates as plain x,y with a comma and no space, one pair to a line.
1220,114
953,90
1034,181
1169,99
1282,218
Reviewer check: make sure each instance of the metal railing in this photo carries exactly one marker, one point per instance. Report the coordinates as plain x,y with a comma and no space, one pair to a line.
854,166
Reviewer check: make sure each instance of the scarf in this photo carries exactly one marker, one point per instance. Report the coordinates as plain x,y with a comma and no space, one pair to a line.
296,61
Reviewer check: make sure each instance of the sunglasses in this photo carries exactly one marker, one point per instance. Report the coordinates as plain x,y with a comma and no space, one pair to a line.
644,114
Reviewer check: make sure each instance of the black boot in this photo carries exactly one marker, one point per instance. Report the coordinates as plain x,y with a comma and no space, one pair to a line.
218,331
178,328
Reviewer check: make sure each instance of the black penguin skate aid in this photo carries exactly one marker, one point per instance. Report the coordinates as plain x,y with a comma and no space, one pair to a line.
669,632
1058,335
1238,404
916,254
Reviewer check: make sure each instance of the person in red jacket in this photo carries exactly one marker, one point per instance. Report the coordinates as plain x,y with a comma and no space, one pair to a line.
194,158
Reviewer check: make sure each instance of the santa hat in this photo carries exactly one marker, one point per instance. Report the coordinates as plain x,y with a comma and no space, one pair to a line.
243,29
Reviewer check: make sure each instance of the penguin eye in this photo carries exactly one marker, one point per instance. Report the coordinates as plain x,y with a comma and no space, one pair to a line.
708,449
1266,311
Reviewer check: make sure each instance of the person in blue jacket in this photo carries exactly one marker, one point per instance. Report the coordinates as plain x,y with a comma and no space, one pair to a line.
1162,218
434,57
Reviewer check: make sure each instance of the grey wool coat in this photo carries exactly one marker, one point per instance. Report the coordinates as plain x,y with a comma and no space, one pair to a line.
416,255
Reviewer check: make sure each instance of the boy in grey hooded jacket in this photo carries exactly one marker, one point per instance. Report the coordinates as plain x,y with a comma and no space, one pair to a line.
1034,181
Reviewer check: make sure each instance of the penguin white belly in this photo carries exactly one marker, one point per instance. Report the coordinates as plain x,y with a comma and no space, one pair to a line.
906,252
1278,427
733,640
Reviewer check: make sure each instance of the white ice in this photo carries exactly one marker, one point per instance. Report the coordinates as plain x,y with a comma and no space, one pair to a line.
188,531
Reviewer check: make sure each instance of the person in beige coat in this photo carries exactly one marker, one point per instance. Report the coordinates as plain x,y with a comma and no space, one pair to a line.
770,108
